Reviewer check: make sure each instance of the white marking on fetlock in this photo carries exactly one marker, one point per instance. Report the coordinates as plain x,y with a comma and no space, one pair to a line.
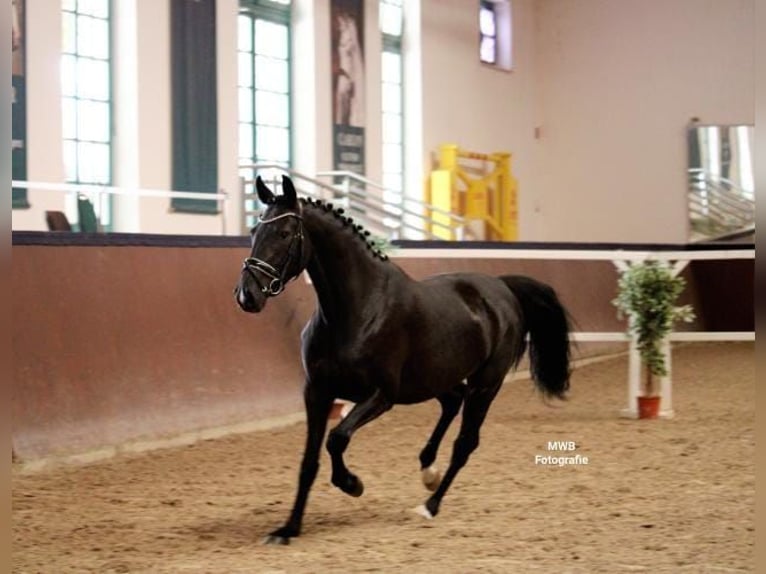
431,477
347,406
423,511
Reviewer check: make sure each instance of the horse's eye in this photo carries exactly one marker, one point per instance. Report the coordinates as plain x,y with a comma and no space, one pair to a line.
284,234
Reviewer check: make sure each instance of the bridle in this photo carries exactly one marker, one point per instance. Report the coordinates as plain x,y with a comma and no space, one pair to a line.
278,277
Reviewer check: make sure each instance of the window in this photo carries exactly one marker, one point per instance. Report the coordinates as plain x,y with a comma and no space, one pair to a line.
495,33
488,31
264,85
392,100
86,95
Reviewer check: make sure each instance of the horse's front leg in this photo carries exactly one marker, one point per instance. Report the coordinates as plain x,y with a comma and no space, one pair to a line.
318,404
360,415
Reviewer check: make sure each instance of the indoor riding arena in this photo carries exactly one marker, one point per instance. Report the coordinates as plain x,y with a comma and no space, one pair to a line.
202,180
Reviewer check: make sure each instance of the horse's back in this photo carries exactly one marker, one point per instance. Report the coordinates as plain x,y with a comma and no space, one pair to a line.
472,292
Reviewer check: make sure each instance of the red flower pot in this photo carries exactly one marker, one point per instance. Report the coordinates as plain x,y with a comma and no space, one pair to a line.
648,407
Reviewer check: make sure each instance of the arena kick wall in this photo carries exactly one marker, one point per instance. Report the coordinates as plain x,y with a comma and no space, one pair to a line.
123,340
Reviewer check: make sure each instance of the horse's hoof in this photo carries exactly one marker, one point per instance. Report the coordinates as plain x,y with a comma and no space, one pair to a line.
273,539
281,536
431,478
356,487
351,485
430,509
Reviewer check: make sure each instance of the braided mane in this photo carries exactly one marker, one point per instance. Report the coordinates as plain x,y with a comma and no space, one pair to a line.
339,214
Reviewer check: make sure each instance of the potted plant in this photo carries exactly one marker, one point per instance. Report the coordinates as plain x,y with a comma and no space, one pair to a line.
647,293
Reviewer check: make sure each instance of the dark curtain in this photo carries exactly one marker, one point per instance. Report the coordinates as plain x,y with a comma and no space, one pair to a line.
195,141
18,103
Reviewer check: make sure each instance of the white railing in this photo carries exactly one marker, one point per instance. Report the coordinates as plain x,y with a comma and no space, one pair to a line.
96,192
376,209
718,206
396,200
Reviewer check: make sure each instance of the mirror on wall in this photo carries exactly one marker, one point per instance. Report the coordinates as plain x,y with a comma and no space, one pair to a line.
721,180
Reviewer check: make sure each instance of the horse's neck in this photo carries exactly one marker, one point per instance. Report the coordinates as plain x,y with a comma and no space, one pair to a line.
342,268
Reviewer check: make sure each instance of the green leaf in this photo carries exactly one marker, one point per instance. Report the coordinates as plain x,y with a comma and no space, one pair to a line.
647,293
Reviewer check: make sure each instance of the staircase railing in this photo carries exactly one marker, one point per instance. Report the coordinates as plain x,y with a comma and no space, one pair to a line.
717,206
384,212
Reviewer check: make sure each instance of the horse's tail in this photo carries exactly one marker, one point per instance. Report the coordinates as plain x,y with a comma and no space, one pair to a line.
547,322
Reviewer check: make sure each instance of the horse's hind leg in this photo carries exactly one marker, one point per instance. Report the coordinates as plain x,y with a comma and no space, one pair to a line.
451,401
481,391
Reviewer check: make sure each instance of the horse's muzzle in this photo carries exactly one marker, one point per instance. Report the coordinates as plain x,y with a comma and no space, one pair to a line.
247,302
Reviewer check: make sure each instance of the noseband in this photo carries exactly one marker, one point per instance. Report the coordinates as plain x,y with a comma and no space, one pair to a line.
278,278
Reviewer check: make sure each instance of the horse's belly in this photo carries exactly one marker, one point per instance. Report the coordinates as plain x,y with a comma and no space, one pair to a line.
354,393
412,394
425,381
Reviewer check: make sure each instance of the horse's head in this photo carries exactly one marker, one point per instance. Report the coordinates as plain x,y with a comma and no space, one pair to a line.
279,248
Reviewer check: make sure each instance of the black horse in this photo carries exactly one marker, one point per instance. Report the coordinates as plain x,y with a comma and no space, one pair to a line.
379,338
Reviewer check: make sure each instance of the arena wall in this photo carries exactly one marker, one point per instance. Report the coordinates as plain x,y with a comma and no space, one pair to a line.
123,338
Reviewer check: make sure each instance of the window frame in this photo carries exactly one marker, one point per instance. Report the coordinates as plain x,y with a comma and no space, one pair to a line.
277,13
104,205
486,5
392,44
502,18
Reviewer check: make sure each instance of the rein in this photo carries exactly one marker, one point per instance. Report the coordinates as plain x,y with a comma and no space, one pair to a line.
278,278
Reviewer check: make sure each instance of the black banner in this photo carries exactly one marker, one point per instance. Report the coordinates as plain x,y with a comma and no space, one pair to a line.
348,148
348,84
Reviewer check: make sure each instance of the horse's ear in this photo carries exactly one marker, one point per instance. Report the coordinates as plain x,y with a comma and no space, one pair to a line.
264,193
288,191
